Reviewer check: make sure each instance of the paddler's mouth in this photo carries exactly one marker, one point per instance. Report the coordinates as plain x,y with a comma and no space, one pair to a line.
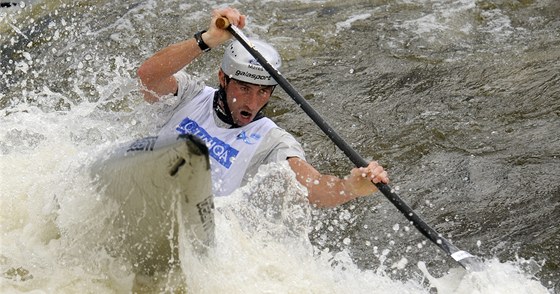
245,114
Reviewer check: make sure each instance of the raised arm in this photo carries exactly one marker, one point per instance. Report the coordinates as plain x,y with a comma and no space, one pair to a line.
156,73
330,191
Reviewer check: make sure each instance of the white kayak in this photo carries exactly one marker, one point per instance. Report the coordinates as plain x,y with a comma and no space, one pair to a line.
158,186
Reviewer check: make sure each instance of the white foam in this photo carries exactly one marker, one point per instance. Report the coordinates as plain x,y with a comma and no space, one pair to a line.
51,222
497,278
348,23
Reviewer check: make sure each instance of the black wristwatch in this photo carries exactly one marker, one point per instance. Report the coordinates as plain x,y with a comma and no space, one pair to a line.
203,46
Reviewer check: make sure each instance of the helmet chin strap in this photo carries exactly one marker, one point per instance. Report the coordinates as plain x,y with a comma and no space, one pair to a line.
222,109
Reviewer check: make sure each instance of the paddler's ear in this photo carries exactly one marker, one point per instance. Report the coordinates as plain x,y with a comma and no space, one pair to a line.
222,78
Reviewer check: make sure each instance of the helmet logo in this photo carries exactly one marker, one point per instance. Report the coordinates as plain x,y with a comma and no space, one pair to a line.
252,75
254,62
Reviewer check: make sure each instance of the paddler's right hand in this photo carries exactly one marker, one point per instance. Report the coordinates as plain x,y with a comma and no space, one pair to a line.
216,36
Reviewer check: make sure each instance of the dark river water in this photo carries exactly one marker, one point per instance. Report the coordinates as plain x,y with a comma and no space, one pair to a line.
458,99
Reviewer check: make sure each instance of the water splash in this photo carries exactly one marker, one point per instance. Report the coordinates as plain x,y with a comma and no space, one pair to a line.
50,216
498,277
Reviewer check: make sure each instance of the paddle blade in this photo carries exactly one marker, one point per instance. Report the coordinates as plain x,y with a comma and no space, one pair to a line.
468,261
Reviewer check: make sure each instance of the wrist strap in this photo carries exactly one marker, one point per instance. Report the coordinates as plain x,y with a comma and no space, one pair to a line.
203,46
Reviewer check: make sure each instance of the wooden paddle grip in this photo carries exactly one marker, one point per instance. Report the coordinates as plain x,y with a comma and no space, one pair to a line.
222,23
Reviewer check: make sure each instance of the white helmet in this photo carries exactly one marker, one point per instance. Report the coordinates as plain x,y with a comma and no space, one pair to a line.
239,64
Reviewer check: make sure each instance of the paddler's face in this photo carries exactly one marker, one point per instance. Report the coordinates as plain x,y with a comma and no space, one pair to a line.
245,99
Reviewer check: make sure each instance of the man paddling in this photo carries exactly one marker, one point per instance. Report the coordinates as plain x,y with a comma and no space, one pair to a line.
230,120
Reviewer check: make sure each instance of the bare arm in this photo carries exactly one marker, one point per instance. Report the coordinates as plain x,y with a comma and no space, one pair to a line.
330,191
156,73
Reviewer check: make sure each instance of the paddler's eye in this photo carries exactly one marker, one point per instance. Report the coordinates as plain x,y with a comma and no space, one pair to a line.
245,89
263,92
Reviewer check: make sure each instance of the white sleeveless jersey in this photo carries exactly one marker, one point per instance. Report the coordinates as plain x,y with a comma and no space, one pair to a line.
230,150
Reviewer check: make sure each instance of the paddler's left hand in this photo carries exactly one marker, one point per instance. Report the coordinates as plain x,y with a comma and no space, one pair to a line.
361,180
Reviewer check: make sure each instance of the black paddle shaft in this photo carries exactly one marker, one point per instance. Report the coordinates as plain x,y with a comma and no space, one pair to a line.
466,260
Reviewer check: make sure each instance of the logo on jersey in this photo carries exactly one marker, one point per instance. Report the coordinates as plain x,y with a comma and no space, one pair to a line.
144,144
251,139
219,150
